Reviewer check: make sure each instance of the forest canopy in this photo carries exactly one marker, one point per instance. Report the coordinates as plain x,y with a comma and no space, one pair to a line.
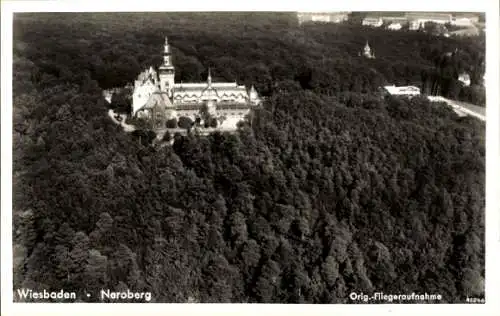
328,188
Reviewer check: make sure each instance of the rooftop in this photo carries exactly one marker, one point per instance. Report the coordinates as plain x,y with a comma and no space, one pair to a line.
219,105
158,98
404,90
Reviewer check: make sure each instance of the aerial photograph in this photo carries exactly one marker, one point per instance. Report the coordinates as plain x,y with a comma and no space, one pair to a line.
249,157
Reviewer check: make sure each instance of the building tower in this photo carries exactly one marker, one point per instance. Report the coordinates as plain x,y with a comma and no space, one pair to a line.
152,74
253,96
209,95
367,51
209,79
167,71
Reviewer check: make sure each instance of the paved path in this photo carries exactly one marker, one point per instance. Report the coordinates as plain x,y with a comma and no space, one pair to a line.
126,127
462,108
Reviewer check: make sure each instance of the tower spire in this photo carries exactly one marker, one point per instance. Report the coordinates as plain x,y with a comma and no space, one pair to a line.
166,54
209,78
367,51
167,70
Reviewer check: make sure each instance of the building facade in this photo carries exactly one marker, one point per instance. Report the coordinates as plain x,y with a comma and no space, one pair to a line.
395,19
394,26
418,20
402,90
158,97
466,17
464,78
326,17
461,21
372,21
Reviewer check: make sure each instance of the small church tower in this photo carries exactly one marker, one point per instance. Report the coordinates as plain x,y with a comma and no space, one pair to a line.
367,51
209,79
167,71
210,95
253,96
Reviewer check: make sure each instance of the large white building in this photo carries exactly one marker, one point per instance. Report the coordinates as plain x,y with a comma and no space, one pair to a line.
465,19
418,20
402,90
464,78
394,26
327,17
461,21
158,97
372,21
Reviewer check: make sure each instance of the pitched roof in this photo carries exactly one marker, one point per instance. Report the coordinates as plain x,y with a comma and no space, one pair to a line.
209,94
159,99
402,90
203,85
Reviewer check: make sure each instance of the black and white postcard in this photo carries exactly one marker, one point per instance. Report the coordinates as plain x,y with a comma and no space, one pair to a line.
329,156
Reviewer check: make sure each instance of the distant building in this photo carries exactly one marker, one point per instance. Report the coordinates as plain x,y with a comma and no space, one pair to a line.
415,25
461,21
417,20
436,17
464,78
403,90
373,21
472,17
326,17
367,52
467,32
395,19
394,26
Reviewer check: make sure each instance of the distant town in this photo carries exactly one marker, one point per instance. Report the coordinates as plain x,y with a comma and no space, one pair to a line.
437,23
440,23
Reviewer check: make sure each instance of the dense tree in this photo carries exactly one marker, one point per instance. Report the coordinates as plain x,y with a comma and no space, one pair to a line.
185,122
172,123
121,102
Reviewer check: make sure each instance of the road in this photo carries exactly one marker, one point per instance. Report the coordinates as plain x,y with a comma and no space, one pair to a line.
126,127
462,108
